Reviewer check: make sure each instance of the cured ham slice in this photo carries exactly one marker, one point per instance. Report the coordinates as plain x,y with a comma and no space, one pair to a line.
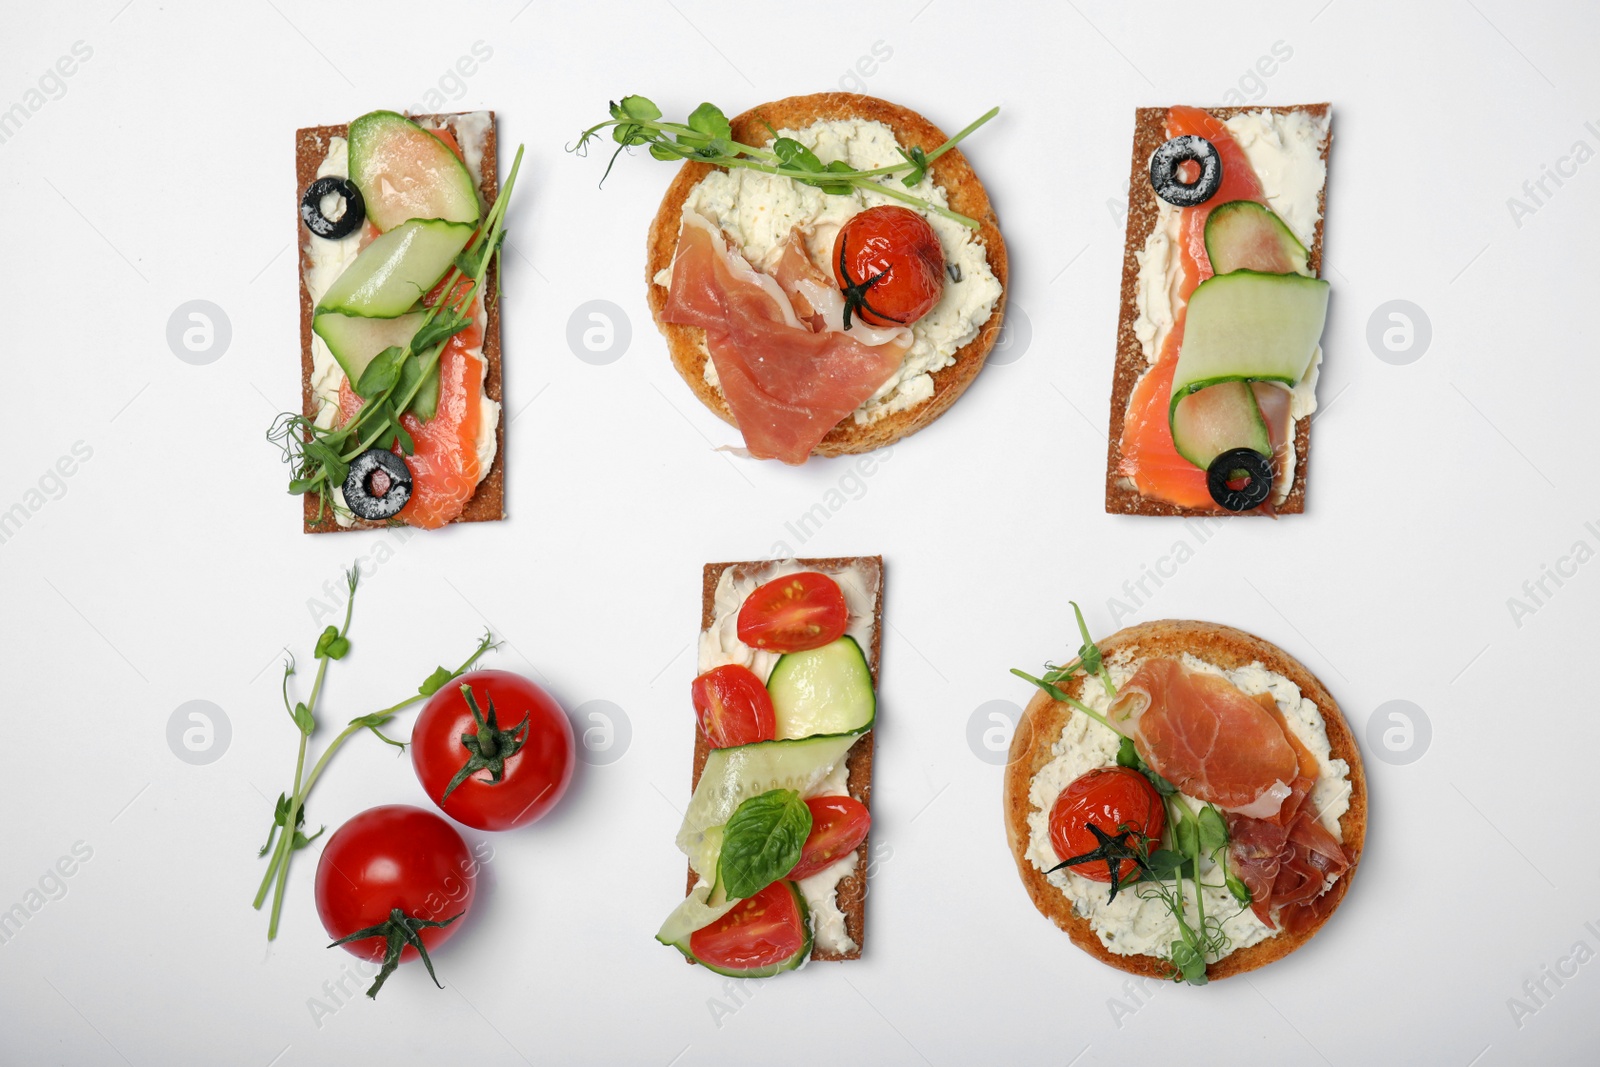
1199,732
1288,861
788,379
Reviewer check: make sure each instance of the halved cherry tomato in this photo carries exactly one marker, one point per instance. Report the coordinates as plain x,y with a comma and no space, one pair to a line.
1115,799
838,825
733,707
794,613
760,931
889,264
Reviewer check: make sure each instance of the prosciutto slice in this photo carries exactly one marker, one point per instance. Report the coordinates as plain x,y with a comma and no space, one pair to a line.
1199,732
788,378
1287,861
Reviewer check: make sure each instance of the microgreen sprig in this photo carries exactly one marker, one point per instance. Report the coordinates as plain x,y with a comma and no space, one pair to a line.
285,837
319,457
707,137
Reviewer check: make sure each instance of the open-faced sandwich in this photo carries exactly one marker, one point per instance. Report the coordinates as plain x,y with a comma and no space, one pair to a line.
827,269
776,831
400,223
1219,341
1185,800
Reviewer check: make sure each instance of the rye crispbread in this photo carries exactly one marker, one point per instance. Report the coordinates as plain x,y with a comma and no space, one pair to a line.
1149,133
310,148
851,893
1040,728
951,171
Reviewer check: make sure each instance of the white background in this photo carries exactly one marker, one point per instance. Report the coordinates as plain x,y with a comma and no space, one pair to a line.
171,567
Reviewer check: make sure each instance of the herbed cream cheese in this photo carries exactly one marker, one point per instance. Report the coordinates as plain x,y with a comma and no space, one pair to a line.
1131,924
720,645
758,212
1285,151
329,259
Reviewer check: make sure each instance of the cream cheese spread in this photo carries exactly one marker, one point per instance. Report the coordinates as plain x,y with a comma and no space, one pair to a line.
1133,925
720,645
759,211
326,260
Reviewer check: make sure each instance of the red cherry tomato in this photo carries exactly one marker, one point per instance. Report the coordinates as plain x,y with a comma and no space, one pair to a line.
838,825
794,613
733,707
889,264
392,858
1114,799
527,723
760,931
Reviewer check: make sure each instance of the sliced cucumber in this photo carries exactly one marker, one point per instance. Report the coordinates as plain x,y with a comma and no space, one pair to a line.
826,690
354,341
1246,326
397,269
1217,419
1245,235
695,913
404,172
680,941
731,775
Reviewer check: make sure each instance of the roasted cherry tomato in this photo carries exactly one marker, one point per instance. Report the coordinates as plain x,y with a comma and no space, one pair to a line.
493,750
1115,799
794,613
733,707
889,264
838,825
760,931
394,868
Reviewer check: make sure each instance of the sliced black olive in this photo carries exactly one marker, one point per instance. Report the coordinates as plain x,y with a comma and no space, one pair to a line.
1167,180
378,485
1233,466
355,209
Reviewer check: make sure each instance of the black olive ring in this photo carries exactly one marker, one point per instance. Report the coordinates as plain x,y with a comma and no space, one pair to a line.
1164,177
355,209
359,488
1231,466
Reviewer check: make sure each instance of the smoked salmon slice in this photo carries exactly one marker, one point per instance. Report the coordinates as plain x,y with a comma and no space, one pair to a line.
1149,457
1201,733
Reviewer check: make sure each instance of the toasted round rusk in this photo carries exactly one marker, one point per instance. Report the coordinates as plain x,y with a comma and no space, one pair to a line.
1040,728
950,171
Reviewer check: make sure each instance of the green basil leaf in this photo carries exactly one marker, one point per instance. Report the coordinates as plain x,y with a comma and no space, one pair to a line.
1164,787
382,373
763,841
1213,830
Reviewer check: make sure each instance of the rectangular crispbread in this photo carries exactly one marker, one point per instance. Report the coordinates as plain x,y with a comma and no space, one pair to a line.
1149,133
310,149
852,891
